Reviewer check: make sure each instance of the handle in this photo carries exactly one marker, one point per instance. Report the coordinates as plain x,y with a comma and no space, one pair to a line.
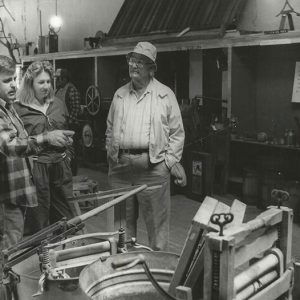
123,263
280,196
221,220
97,210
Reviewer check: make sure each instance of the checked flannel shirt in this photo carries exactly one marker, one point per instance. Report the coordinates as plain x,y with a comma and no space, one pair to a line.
71,97
16,185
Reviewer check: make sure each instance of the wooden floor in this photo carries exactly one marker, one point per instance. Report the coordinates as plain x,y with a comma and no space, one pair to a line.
183,210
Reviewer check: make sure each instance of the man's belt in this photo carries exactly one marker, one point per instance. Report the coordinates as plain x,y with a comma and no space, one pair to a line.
133,151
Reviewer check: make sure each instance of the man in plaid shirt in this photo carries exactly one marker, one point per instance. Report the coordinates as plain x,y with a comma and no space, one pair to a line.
68,93
17,190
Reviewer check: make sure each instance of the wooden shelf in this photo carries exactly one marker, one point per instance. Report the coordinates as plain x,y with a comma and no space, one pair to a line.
169,42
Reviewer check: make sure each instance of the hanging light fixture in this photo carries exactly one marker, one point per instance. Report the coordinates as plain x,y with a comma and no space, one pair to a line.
55,22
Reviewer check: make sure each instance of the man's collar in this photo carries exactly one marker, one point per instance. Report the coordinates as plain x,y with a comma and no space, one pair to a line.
147,90
152,86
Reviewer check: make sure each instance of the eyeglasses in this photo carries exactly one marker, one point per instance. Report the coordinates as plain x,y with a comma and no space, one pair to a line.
139,63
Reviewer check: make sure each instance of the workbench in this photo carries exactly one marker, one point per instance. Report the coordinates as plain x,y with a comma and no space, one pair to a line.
264,157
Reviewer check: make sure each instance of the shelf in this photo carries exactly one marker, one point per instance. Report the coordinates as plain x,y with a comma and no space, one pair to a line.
169,42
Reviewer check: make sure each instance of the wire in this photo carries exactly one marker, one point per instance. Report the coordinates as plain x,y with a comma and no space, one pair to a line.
164,293
202,139
56,7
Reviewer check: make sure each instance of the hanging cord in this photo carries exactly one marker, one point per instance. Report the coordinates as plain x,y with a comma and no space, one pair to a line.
127,264
202,139
164,293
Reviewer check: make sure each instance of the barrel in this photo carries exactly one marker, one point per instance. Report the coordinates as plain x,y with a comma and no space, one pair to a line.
103,280
250,187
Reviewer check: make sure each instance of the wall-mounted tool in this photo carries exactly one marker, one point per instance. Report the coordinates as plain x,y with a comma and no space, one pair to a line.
286,13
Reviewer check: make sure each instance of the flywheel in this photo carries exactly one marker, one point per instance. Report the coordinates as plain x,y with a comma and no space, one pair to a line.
92,100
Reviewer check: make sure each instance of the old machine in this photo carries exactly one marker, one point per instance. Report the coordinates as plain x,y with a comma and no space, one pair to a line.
47,264
222,258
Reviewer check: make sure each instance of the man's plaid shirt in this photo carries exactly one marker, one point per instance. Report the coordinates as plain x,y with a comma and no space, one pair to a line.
16,185
74,104
71,97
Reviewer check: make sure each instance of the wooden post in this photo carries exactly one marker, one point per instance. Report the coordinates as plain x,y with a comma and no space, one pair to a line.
184,293
285,241
285,235
199,224
218,268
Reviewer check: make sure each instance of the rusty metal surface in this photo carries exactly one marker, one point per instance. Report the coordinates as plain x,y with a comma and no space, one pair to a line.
142,17
102,280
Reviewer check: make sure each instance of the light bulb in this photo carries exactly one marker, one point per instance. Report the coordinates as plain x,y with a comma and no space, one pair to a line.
56,22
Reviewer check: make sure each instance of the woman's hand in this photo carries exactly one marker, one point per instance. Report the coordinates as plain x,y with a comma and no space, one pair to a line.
59,138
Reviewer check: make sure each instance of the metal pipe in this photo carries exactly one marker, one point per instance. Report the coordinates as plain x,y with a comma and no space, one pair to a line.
255,271
61,255
97,210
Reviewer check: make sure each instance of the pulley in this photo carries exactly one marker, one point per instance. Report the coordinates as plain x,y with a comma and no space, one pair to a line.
87,136
92,100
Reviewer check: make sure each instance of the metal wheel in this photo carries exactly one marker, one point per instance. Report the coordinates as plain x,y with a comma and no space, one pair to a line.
87,136
92,100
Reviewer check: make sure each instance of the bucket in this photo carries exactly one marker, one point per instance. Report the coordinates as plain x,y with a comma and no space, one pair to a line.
102,280
250,187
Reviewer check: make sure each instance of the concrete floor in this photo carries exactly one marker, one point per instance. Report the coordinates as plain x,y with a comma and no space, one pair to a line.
183,210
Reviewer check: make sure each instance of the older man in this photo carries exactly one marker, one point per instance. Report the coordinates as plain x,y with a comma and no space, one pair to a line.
144,141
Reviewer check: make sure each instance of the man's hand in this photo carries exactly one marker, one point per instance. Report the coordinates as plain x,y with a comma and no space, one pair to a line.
178,172
60,138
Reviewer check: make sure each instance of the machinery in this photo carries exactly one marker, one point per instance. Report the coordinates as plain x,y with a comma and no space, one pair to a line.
47,264
92,139
222,259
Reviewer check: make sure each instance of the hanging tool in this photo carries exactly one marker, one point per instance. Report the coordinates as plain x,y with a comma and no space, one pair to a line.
286,12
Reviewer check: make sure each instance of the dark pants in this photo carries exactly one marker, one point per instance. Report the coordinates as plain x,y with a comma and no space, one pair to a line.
153,203
11,232
54,187
11,224
76,146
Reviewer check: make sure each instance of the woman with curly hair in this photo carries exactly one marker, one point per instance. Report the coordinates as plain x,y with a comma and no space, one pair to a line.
40,111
